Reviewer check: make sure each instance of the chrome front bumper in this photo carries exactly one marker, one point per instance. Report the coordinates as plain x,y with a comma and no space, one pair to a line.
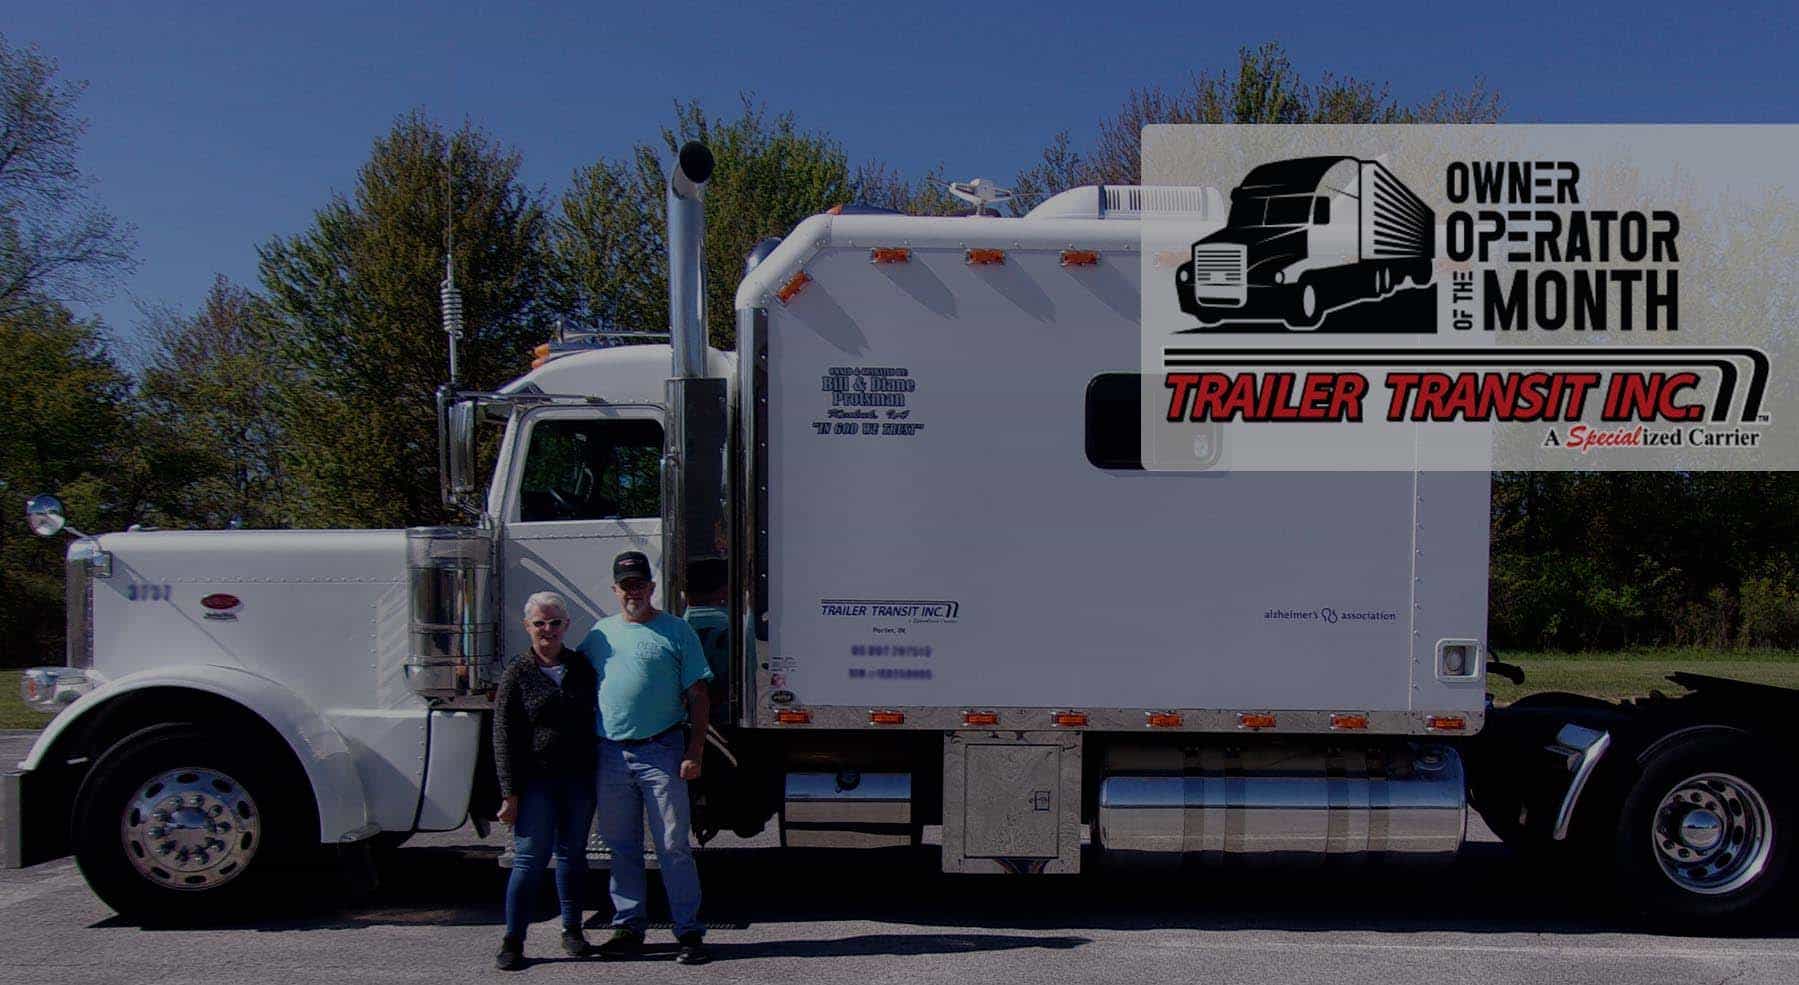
12,822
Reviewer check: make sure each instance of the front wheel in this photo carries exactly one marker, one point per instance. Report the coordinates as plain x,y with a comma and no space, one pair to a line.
1706,831
177,824
1307,307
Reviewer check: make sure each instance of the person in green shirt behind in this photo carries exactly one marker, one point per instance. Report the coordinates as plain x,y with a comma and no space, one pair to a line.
708,612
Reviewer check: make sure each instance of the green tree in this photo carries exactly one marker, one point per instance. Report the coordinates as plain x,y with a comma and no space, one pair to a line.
55,242
355,302
68,432
209,425
1604,560
610,236
884,187
1263,87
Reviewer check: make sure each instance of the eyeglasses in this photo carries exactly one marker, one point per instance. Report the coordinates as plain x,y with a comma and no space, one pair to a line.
632,587
547,623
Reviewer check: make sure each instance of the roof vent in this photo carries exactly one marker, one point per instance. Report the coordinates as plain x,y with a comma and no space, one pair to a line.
1132,202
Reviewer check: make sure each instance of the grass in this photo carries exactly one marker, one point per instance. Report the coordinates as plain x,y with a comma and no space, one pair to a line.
13,713
1634,673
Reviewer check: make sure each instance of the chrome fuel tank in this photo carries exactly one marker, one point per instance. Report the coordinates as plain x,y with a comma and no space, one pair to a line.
1281,802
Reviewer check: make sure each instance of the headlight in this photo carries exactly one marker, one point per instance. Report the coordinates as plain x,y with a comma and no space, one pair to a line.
50,689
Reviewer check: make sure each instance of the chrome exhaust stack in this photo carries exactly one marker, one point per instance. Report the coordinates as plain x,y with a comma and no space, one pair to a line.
693,463
687,260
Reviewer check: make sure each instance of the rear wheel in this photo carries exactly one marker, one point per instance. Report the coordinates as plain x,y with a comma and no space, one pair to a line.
178,824
1705,833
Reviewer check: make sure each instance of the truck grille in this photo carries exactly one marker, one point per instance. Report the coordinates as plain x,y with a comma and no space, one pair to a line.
1218,273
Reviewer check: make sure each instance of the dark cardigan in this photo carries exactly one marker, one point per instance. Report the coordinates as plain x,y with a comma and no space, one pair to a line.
540,729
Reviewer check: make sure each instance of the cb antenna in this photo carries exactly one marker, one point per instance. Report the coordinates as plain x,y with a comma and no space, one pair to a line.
448,294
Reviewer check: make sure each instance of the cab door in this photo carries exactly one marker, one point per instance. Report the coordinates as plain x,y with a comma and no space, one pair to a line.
587,485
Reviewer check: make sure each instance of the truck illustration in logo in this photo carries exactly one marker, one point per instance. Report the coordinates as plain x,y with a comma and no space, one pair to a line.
1306,237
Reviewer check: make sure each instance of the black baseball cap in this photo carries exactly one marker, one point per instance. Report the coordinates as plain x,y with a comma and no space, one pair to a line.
629,565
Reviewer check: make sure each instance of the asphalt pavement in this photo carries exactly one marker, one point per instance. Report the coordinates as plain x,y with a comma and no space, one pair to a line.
875,917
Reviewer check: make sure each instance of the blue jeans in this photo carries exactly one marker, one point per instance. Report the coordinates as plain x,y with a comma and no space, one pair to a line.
630,775
554,813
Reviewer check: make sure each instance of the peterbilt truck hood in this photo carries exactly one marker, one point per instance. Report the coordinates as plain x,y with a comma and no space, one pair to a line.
324,612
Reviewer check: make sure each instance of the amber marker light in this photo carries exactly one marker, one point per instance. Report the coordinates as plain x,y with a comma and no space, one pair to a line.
886,718
890,254
985,257
1446,723
792,288
1070,719
793,716
1162,719
540,355
980,718
1348,722
1080,258
1255,719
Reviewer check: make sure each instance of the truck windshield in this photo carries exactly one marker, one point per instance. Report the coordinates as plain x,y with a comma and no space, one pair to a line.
592,470
1247,211
1289,210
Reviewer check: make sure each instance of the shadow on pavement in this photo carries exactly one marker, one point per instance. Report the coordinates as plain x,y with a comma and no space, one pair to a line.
1486,890
865,945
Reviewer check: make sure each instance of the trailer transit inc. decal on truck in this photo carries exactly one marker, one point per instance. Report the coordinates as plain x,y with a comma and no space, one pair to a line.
1470,297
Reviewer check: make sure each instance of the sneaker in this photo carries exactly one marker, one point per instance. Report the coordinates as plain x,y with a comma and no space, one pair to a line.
623,943
574,943
511,956
692,950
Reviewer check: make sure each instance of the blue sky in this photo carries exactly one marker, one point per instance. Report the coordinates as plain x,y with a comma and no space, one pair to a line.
216,126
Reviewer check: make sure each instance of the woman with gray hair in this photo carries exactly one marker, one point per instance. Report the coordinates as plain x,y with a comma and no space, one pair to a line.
543,743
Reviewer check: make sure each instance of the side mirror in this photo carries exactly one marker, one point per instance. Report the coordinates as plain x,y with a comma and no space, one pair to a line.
43,514
459,439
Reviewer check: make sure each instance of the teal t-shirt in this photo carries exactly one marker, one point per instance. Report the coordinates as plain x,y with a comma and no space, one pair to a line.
644,668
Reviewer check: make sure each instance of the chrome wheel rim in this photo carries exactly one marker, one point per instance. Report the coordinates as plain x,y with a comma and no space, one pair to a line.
1712,834
1308,300
190,829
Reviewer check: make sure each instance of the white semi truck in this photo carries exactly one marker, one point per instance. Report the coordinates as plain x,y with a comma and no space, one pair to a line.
956,599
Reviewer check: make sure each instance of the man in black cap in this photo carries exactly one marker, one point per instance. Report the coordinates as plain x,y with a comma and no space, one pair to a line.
652,682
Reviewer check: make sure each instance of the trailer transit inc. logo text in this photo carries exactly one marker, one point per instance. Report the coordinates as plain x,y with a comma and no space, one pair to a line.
1464,298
